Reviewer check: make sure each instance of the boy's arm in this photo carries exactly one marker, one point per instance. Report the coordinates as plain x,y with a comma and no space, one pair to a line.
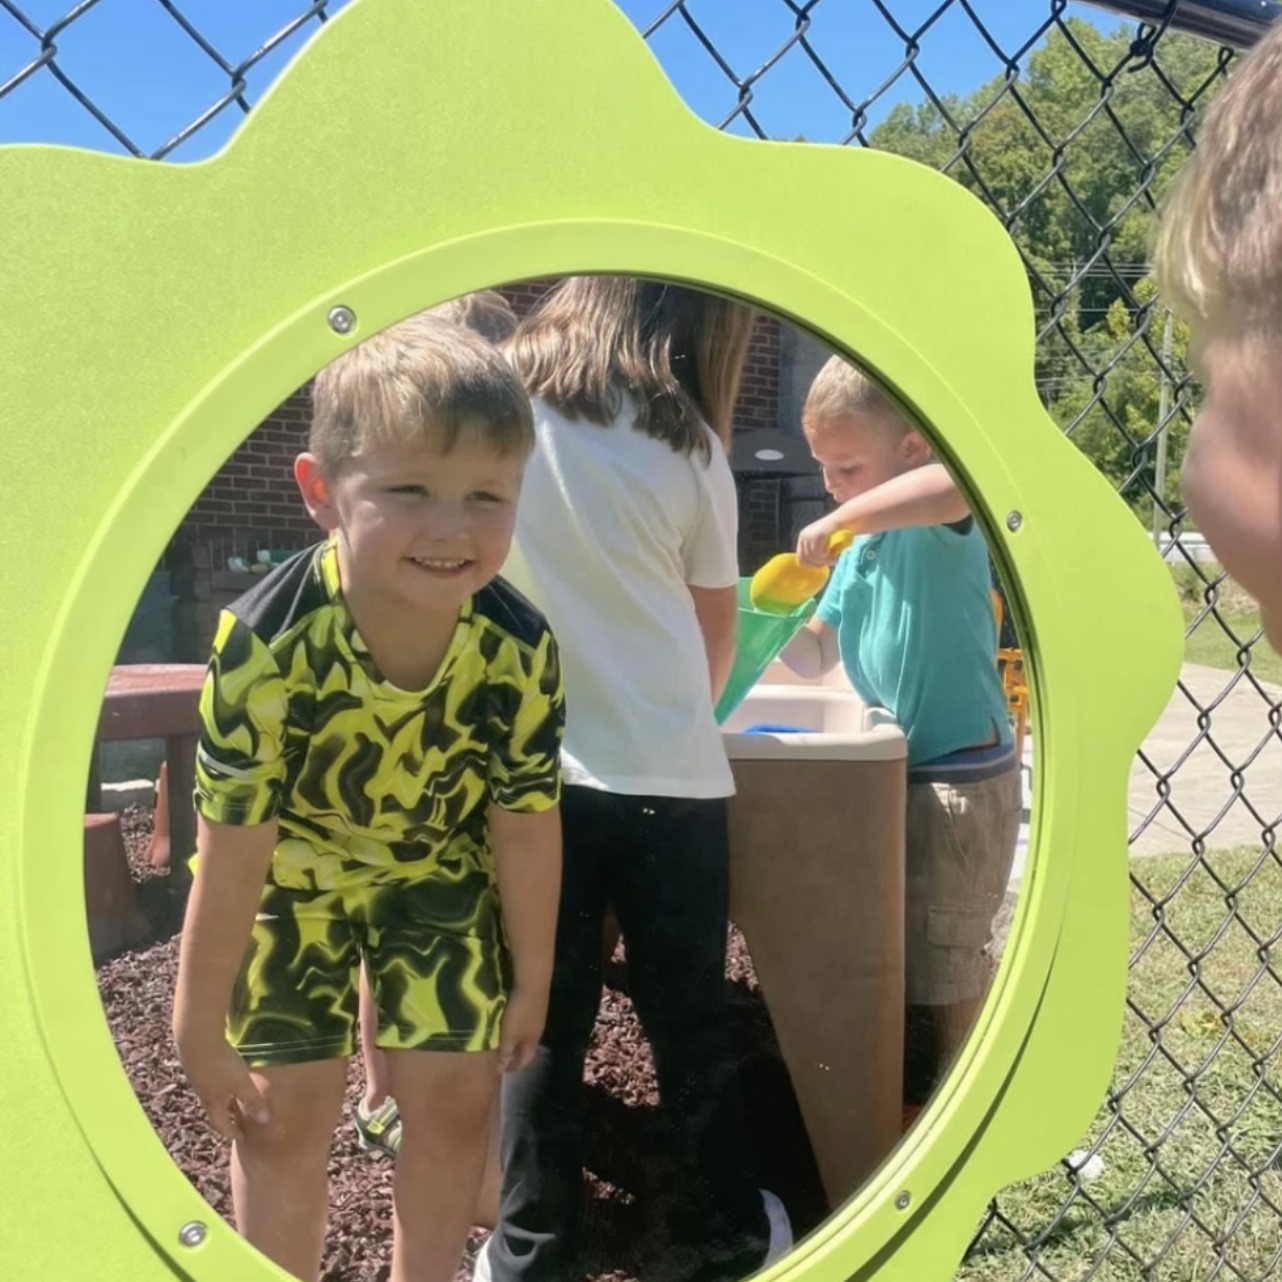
240,770
524,821
231,869
717,610
813,651
527,856
926,495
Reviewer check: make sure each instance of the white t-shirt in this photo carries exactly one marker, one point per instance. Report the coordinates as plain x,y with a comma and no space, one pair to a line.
611,527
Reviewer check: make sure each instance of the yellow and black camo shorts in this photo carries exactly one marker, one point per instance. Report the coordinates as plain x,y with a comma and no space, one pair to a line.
434,949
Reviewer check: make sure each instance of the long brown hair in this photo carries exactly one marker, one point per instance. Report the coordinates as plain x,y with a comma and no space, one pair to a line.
679,352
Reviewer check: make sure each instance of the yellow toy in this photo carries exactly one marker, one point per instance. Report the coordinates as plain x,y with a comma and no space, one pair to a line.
783,583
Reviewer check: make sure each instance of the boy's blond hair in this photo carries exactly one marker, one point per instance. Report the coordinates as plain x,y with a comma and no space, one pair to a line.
422,378
841,391
486,311
1218,252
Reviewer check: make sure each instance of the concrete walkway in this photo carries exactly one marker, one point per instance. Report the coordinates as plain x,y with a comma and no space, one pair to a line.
1202,786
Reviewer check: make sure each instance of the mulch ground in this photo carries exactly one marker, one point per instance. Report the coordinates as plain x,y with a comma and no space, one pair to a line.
625,1161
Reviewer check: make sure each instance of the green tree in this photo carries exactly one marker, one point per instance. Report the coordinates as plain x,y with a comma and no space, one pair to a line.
1074,156
1114,417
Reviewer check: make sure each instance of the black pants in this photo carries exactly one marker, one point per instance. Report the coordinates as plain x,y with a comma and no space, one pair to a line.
662,863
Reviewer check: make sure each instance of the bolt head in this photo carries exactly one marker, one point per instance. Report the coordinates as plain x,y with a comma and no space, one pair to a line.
903,1200
193,1233
342,320
1014,520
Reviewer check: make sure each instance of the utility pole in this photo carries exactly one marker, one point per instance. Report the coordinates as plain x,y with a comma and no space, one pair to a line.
1163,412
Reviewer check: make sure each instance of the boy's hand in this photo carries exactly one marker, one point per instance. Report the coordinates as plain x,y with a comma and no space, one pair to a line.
812,542
527,856
523,1022
221,1080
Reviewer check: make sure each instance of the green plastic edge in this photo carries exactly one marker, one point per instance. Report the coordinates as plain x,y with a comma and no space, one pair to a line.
1057,894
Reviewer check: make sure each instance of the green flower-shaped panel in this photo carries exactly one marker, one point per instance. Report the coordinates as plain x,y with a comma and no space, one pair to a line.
153,314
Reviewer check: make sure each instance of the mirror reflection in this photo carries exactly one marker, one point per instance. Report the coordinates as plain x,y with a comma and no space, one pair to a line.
609,742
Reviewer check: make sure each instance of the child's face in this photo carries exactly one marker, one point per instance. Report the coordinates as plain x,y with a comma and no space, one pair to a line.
418,528
855,455
1232,472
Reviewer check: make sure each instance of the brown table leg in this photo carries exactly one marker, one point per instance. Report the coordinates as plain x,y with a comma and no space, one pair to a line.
93,788
180,753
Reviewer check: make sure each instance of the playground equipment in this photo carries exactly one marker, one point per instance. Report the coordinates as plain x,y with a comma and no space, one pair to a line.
111,904
783,583
760,638
821,908
1010,663
201,307
143,701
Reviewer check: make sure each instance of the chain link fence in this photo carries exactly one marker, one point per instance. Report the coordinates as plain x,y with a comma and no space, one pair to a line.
1068,122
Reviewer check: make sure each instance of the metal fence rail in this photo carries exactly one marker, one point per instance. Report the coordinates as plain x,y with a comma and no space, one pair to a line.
1069,133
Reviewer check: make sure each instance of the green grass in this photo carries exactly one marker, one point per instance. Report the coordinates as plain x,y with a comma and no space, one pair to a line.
1201,1105
1209,643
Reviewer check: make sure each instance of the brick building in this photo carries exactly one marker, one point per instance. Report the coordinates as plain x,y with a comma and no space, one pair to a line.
252,502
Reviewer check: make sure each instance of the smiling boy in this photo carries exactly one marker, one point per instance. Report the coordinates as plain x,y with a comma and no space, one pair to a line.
377,782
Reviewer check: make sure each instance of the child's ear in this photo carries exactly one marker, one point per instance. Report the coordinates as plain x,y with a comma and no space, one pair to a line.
315,489
916,449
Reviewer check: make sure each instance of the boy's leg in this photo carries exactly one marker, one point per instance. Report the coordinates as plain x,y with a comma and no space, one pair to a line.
378,1090
279,1180
671,895
293,1017
961,846
376,1119
377,1072
541,1135
486,1215
446,1100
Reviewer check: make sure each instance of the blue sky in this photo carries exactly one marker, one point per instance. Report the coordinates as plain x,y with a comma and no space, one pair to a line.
137,64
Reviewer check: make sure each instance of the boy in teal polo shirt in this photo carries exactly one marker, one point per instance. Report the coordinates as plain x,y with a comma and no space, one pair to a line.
908,613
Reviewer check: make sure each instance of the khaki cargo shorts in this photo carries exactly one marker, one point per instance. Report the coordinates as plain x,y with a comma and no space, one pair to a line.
961,842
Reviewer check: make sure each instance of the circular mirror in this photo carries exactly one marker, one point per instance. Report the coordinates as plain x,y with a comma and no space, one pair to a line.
855,960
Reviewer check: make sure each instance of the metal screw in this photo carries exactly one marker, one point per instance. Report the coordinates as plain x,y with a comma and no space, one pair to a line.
1014,520
193,1233
902,1201
342,320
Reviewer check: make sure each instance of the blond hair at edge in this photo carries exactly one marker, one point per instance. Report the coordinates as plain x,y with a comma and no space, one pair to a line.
678,352
486,311
424,378
1218,250
841,391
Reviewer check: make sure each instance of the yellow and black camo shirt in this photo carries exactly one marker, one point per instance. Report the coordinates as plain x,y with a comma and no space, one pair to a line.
368,782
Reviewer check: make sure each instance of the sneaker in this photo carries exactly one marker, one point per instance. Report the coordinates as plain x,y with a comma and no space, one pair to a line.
780,1229
379,1131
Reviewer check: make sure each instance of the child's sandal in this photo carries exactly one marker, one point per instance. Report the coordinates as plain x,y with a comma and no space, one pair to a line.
379,1131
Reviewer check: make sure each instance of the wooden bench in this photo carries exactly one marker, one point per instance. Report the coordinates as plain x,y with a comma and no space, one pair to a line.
156,701
142,701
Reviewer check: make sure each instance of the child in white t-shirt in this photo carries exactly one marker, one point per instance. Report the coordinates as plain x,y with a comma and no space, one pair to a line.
626,537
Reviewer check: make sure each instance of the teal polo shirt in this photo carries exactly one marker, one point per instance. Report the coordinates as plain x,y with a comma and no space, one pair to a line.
916,633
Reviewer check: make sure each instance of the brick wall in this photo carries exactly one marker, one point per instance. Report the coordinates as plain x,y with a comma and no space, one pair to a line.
758,403
253,502
524,294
